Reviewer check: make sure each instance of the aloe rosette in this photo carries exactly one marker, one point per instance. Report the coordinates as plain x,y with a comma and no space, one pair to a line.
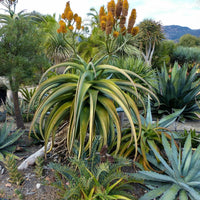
86,96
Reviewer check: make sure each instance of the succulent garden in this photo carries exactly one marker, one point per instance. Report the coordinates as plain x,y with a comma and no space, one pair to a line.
92,106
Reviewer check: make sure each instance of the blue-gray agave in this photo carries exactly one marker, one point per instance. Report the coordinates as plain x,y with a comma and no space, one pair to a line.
181,177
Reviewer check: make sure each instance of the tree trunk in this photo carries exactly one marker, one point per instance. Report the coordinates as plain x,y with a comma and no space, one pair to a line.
18,116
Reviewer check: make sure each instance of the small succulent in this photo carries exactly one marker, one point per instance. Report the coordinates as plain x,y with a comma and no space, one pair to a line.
181,172
11,165
8,139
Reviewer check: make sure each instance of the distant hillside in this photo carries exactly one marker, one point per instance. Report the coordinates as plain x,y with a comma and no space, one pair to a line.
174,32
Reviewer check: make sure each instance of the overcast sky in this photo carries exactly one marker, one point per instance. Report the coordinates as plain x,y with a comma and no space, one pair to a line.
168,12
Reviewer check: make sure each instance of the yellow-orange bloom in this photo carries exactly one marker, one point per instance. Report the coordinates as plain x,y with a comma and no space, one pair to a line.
63,16
103,25
75,16
67,9
131,20
82,27
123,30
109,23
122,21
119,8
134,30
115,34
71,28
111,7
69,15
101,11
78,23
125,7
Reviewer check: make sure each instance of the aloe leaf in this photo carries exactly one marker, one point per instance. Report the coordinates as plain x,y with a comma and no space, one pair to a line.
110,107
93,101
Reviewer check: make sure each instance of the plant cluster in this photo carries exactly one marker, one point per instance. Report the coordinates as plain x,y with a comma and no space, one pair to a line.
115,18
93,177
181,172
178,89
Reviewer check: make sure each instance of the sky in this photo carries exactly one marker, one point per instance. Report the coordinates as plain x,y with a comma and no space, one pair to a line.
167,12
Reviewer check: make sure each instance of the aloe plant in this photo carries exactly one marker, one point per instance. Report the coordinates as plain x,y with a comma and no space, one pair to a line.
87,97
151,132
181,172
178,90
7,140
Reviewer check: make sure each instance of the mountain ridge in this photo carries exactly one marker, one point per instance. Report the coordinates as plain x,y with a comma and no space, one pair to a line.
174,32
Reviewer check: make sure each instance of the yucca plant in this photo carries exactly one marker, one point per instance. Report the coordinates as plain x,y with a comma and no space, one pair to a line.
87,97
7,140
92,180
178,90
181,170
151,132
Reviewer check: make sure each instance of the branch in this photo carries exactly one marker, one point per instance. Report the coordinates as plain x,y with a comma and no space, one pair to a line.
32,158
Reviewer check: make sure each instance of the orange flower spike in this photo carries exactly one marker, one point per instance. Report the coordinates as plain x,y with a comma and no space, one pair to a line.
101,11
123,30
111,7
75,16
115,34
67,9
125,7
131,20
119,8
122,21
103,25
63,16
134,31
69,15
78,23
109,23
71,28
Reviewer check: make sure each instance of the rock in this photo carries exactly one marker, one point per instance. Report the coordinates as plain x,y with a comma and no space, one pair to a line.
38,185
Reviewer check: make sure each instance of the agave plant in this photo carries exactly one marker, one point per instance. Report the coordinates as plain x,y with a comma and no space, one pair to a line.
7,140
151,132
181,169
93,179
87,97
178,90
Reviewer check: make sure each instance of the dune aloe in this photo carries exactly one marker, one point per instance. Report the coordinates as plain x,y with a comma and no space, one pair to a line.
87,97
